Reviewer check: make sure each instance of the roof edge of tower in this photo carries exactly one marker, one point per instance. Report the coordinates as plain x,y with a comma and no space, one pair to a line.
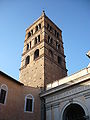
43,14
53,23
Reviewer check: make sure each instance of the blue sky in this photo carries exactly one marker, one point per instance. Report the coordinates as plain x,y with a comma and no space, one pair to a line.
71,16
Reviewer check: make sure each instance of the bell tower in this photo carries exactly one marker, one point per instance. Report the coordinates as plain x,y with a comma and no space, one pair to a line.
43,59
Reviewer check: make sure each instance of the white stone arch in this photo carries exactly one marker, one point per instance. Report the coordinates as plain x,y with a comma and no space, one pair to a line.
29,96
4,87
74,102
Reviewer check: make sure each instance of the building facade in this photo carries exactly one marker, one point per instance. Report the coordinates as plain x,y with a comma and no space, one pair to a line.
44,91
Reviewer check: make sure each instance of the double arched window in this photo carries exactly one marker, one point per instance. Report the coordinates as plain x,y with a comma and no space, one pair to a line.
36,54
3,93
29,103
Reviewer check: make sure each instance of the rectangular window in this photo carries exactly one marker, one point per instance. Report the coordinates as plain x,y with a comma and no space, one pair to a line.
2,96
29,105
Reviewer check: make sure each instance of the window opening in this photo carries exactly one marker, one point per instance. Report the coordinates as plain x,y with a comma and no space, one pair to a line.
50,40
29,34
27,60
30,44
35,40
27,46
36,28
2,96
57,35
39,26
38,38
29,103
3,93
59,60
50,53
36,54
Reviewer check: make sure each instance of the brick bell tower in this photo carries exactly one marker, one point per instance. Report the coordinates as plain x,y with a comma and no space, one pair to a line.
43,59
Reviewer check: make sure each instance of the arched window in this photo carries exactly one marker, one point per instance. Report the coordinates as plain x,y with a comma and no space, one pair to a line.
29,103
36,54
27,60
3,93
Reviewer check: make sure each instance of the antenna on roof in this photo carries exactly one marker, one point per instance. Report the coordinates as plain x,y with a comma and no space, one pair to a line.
43,12
88,54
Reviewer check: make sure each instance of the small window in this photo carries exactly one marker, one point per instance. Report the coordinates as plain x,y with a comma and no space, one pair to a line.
38,38
57,35
35,40
47,26
27,46
29,103
29,34
3,94
55,32
50,40
39,26
57,46
50,53
36,28
30,44
59,60
27,60
36,54
50,28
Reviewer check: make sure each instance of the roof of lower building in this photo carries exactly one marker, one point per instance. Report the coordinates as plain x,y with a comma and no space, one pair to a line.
10,78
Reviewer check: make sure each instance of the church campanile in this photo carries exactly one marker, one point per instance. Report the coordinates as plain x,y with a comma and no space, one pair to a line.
43,59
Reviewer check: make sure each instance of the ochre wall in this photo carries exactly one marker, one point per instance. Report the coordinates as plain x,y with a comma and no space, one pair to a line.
14,107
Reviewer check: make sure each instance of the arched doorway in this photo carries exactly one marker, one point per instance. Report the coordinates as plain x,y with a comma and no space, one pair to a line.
74,112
